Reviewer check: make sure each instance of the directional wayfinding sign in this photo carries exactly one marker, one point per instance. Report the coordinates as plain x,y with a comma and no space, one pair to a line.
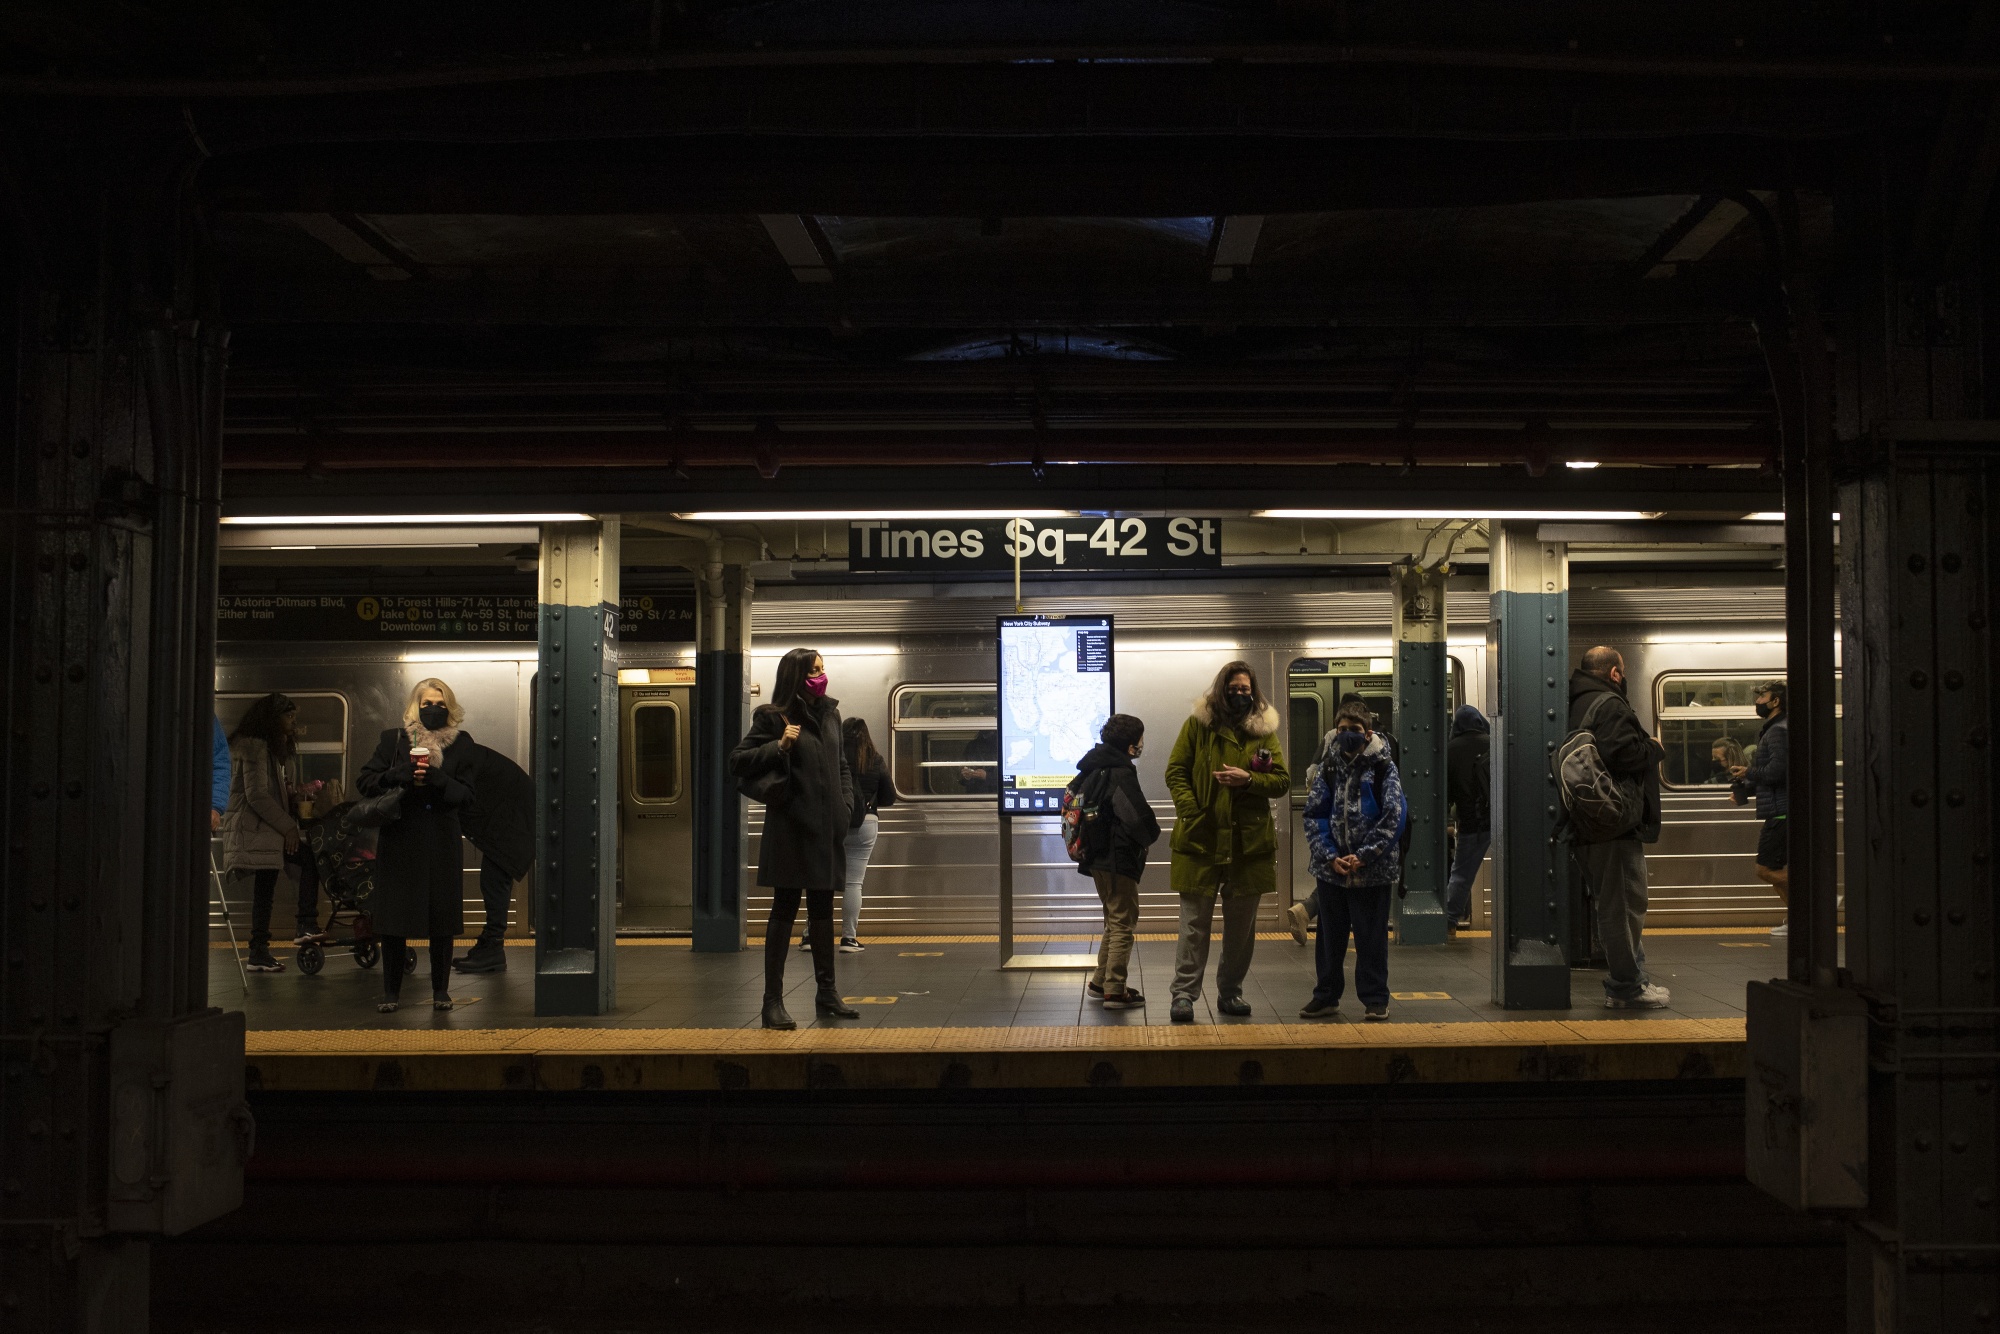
1055,693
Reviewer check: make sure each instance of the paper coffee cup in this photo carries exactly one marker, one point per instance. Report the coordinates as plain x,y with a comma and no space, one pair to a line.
420,752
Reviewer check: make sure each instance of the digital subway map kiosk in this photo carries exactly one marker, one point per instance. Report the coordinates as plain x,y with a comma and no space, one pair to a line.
1055,675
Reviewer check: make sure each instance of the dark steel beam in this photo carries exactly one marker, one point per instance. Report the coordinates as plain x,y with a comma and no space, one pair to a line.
770,450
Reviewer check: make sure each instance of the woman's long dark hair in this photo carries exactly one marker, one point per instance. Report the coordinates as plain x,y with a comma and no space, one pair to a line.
1217,688
788,693
265,721
861,752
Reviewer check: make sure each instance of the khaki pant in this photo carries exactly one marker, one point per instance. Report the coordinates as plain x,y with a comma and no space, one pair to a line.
1120,894
1239,942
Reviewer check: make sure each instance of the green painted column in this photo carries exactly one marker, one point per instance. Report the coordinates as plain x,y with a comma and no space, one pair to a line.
1422,726
576,771
1528,649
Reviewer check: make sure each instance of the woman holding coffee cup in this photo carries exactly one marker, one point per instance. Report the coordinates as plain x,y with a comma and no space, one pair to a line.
419,858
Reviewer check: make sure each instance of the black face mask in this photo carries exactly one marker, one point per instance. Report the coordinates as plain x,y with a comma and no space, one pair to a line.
1763,710
1618,685
1239,704
433,716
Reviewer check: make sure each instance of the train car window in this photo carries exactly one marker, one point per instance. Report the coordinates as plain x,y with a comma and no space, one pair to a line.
1317,686
656,752
322,753
945,740
1709,721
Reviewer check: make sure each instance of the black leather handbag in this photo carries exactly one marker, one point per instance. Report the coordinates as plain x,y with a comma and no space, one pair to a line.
771,787
374,812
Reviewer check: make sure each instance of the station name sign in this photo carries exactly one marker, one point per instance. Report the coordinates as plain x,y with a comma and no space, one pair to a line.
1085,543
657,618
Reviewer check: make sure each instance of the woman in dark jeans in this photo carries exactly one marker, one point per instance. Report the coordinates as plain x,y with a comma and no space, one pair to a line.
260,831
420,856
797,736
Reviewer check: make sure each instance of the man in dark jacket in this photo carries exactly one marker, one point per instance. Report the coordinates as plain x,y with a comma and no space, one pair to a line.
1469,787
1115,858
1615,868
1767,778
501,824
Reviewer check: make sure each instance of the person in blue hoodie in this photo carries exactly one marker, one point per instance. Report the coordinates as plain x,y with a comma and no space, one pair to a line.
1354,820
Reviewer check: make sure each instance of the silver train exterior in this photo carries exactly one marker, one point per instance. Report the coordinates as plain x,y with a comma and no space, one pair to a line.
918,663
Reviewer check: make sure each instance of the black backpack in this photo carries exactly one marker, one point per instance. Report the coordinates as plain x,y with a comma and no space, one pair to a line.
1086,816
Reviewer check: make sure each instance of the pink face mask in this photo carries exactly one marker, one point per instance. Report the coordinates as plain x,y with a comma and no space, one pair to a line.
816,685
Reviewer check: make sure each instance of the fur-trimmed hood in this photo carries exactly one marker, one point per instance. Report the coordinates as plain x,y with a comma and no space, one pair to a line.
1260,724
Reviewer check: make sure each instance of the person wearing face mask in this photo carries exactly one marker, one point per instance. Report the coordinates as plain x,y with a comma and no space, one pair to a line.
1225,770
1726,755
1768,780
420,855
1115,854
797,737
1354,820
1614,869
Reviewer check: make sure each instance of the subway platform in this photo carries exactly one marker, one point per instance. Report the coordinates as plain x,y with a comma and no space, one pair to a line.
937,1012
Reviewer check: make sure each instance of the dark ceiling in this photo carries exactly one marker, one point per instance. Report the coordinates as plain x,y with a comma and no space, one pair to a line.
697,241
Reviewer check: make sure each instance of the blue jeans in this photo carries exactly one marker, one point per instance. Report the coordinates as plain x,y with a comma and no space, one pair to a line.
1464,870
1364,912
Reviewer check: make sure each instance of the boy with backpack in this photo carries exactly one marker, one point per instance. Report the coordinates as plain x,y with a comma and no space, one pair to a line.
1107,827
1354,819
1607,771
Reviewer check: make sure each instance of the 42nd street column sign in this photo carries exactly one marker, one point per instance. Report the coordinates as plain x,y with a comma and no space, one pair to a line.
1083,543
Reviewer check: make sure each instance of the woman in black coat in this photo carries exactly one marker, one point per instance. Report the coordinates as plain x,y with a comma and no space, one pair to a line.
796,738
419,858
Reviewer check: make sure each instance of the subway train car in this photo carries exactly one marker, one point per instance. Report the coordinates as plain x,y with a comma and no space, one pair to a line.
918,663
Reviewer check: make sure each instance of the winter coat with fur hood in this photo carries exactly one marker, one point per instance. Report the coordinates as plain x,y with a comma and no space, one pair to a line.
1225,839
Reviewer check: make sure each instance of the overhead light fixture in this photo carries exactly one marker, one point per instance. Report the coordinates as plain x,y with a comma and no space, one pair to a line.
330,520
862,516
1460,513
1776,516
1580,463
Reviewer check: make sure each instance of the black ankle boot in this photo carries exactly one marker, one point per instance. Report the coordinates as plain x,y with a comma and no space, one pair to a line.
775,1016
832,1006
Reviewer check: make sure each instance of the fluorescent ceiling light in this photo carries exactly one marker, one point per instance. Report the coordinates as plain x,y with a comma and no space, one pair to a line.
1776,516
1455,514
1578,463
384,519
855,516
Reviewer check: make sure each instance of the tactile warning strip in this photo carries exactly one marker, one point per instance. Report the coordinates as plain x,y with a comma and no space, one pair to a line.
698,1059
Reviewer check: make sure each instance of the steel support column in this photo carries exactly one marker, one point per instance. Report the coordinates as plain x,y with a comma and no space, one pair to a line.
1919,585
576,773
1422,727
1528,647
722,706
121,1091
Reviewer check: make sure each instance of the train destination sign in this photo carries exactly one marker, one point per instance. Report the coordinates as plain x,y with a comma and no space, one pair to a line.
1084,543
1055,693
657,618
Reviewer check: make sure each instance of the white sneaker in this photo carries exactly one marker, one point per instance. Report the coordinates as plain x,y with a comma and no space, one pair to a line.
1296,919
1650,997
1782,929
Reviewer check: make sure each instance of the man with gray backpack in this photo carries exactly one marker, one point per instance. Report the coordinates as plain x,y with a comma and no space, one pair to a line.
1608,773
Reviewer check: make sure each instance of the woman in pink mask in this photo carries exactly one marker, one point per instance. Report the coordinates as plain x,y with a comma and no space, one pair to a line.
795,739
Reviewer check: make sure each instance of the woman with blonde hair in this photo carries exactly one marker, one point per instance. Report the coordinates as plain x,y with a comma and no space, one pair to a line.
419,857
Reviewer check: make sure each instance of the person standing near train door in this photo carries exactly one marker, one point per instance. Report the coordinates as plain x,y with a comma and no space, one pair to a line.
1225,770
420,855
260,831
1614,867
501,824
1468,785
793,749
1767,778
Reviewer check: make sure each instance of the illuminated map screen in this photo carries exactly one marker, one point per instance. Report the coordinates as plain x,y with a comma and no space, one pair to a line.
1055,693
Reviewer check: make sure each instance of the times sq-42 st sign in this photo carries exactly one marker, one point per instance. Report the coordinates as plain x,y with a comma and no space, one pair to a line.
1085,543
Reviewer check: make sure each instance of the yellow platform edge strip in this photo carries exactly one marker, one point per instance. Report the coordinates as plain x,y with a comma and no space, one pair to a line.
709,1060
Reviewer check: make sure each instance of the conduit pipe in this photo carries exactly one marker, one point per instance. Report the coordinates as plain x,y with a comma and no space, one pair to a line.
715,597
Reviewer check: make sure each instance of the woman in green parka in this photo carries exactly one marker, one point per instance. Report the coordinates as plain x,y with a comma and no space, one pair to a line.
1226,769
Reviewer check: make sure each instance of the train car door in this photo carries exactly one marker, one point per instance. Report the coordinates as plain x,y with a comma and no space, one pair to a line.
656,808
